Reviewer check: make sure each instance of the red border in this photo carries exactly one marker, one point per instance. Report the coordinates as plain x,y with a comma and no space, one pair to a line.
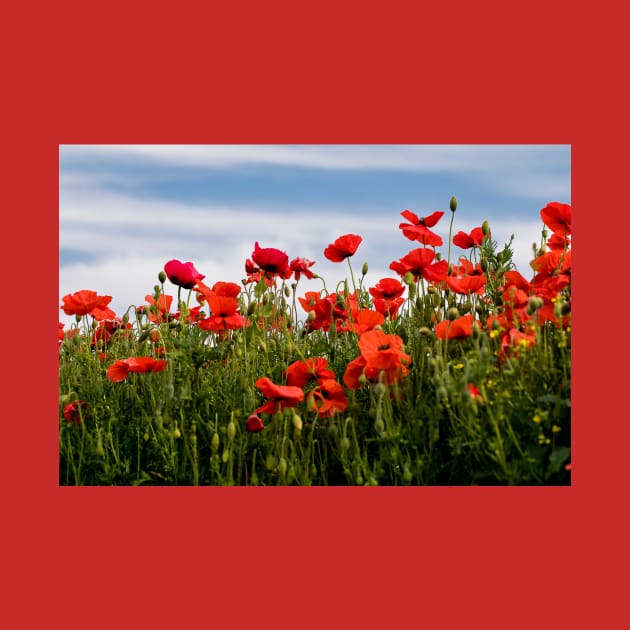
434,557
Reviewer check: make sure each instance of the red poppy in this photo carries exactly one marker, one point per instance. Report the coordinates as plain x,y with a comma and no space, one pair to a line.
328,398
388,308
466,241
61,333
182,274
299,373
280,396
225,315
119,370
557,216
158,311
88,303
301,266
271,260
381,356
418,228
459,328
558,243
343,247
550,264
466,284
366,319
254,423
75,411
331,308
387,288
420,263
383,351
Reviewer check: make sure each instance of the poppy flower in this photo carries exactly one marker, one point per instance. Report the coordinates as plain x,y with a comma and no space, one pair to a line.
459,328
301,266
420,263
557,217
182,274
75,411
328,398
388,308
558,243
280,396
254,423
61,333
366,319
271,260
225,315
466,284
418,228
466,241
88,303
119,370
159,311
343,247
383,351
387,288
299,373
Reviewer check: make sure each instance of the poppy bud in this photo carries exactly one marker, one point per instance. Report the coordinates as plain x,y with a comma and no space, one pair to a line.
424,331
297,421
311,316
364,269
287,292
380,389
453,203
452,314
215,442
282,466
231,430
162,277
485,228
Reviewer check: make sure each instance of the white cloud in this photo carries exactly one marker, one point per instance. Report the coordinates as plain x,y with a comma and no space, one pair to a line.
523,170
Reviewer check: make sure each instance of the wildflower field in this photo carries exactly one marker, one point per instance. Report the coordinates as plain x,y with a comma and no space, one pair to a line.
449,372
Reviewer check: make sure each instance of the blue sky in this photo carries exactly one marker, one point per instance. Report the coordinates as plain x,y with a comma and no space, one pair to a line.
125,210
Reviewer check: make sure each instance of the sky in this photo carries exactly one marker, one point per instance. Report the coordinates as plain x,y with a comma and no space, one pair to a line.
125,210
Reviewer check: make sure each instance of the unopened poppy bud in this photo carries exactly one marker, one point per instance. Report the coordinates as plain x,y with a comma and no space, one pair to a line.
438,257
282,466
452,314
380,389
297,422
311,316
310,404
177,433
408,278
215,442
424,331
287,291
362,380
344,444
251,308
157,289
545,233
364,269
162,277
231,430
453,203
485,228
263,346
125,318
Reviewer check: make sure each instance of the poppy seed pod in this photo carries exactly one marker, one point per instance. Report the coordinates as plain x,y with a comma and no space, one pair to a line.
453,203
162,277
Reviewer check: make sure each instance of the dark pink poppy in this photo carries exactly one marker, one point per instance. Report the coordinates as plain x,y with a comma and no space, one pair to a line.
182,274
